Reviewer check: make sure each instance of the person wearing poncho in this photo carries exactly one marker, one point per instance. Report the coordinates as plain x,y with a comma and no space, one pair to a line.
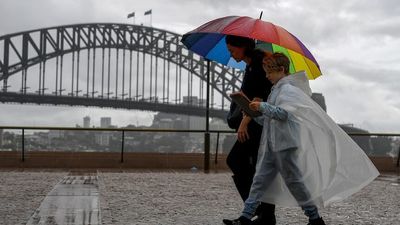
305,159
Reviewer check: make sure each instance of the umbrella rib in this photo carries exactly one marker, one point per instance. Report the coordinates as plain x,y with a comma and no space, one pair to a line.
254,28
276,33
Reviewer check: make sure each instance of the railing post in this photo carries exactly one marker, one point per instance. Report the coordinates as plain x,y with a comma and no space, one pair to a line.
398,158
207,152
23,146
207,133
122,146
216,149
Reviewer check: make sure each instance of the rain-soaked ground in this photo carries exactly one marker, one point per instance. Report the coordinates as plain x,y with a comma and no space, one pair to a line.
49,197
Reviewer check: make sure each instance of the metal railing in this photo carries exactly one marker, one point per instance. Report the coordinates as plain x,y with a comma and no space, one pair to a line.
380,135
123,131
150,130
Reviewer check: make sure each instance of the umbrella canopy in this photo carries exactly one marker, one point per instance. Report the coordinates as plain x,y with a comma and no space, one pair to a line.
208,41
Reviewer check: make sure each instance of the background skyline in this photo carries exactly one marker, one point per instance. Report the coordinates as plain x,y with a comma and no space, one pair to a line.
355,42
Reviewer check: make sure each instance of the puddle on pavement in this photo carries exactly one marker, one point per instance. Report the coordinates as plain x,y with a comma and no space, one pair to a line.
393,179
74,200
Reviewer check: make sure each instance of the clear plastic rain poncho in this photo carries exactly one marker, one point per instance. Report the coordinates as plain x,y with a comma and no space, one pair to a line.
332,166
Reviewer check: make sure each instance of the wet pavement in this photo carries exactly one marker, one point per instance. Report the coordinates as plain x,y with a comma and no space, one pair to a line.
132,197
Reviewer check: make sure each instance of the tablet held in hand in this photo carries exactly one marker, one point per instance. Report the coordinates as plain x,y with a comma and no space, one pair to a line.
242,100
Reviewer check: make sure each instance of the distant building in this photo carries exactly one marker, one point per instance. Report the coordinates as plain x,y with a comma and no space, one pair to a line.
191,100
165,123
383,146
103,138
86,122
363,141
164,120
56,134
194,122
170,121
202,102
41,138
319,99
105,122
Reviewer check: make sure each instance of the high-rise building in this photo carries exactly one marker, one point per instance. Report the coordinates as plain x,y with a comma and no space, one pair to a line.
319,99
86,122
105,122
103,138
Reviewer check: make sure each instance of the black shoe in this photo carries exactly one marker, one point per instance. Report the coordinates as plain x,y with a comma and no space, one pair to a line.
318,221
239,221
271,220
265,214
227,222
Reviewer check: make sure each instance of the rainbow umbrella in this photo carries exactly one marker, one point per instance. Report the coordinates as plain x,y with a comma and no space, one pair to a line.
208,41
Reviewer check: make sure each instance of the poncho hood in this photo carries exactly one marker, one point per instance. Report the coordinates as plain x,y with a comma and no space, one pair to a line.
298,80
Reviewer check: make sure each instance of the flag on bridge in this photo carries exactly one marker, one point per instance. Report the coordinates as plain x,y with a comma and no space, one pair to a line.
131,15
148,12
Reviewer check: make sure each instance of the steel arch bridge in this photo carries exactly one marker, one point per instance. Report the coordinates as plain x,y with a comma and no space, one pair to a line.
111,65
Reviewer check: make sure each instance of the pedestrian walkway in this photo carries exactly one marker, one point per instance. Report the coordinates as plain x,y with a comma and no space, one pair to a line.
132,197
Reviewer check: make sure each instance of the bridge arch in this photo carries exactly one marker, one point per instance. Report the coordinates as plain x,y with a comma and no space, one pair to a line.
34,47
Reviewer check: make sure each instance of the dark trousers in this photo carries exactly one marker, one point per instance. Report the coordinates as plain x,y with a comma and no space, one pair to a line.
242,161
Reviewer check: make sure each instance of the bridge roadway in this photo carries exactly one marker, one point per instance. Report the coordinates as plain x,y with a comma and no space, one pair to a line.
168,197
11,97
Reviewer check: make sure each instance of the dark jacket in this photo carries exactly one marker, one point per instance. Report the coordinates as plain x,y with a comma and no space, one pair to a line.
254,84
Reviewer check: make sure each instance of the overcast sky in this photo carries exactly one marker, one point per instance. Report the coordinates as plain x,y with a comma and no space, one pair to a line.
356,43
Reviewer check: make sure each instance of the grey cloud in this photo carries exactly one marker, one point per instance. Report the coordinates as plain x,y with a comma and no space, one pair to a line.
368,30
384,78
382,29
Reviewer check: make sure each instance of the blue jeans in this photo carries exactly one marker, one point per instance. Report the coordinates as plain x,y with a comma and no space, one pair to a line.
284,162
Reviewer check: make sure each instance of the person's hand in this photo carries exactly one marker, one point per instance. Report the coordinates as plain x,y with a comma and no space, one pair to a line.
242,133
256,99
254,105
